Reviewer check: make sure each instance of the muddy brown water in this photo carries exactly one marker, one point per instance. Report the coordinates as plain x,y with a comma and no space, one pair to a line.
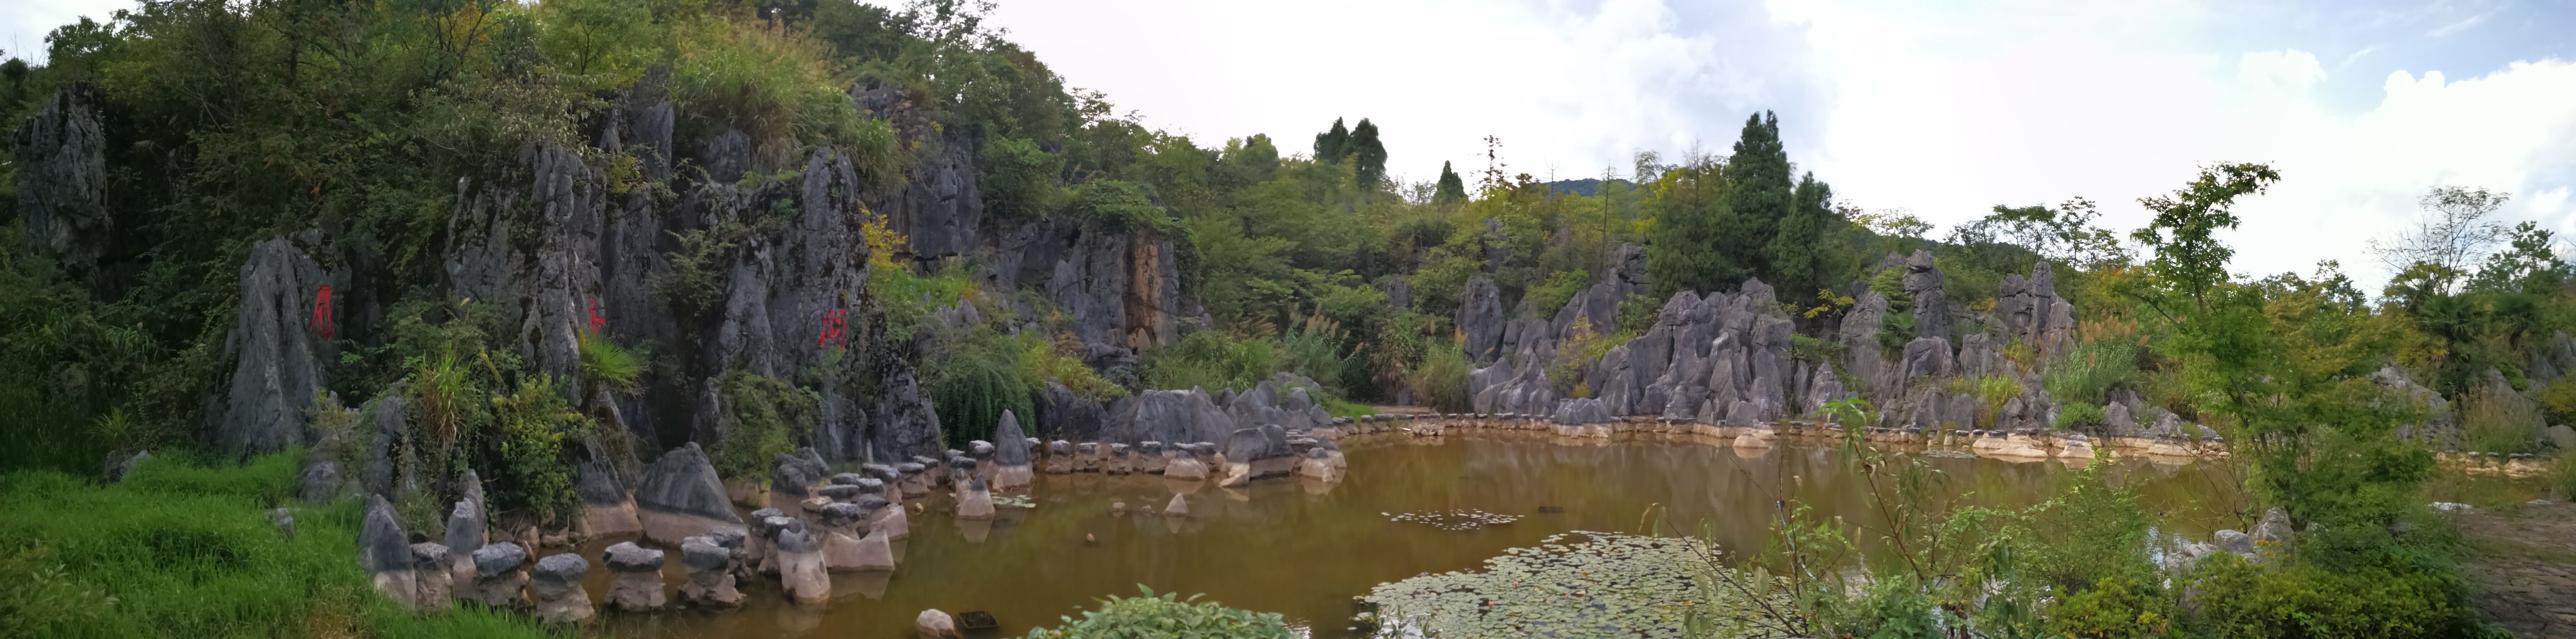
1304,549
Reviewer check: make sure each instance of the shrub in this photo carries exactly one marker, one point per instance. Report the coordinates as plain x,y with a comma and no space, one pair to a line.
1116,206
1815,351
1896,330
1552,294
1638,313
763,417
2080,415
532,474
2122,607
1152,616
2239,598
1890,284
1019,179
695,278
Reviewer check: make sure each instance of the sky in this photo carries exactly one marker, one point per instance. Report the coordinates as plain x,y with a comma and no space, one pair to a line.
1943,110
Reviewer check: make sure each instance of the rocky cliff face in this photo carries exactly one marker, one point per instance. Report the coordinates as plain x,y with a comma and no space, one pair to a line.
557,246
62,180
1726,358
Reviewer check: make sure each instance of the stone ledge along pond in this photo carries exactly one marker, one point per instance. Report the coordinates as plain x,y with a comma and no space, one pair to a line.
1304,549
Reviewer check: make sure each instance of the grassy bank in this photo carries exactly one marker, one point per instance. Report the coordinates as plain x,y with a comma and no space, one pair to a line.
186,550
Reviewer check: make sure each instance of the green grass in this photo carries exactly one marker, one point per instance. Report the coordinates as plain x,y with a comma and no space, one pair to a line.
184,550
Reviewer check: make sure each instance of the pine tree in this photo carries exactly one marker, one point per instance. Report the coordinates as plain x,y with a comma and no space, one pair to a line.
1333,145
1797,251
1758,196
1681,254
1368,156
1451,189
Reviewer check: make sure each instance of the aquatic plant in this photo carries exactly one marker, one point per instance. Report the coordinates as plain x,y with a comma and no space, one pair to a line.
1455,520
1152,616
1580,584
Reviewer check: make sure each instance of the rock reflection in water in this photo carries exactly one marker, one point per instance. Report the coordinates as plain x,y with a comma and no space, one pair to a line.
1282,545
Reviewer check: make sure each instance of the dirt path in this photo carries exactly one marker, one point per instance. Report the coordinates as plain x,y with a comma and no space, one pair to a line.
2524,562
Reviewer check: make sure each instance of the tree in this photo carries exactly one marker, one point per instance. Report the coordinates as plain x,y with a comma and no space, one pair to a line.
1895,223
1334,144
1797,249
1247,161
2451,236
2189,259
2530,263
1688,205
1451,190
1368,156
1758,195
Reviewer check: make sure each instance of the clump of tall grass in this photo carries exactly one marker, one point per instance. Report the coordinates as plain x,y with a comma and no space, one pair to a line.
2499,422
2087,371
183,550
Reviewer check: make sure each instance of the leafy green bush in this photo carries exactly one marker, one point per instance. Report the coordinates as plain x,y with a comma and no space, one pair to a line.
1115,205
1815,351
1896,330
695,278
2239,598
185,550
1019,179
2080,415
533,475
763,417
1890,284
1165,616
1552,294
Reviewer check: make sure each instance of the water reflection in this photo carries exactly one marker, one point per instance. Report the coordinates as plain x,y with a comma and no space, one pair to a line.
1304,548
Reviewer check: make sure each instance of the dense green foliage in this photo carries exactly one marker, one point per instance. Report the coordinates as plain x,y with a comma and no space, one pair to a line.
179,549
1166,616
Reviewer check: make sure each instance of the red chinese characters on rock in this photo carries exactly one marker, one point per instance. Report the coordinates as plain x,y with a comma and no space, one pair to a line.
322,311
597,321
836,328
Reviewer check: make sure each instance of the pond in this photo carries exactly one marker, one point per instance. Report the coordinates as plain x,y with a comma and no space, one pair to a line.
1305,549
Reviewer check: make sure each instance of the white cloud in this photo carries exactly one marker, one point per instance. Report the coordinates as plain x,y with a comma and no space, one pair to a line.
1568,87
1950,114
24,23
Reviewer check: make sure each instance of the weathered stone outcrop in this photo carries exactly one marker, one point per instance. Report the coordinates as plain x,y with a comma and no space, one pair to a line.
1011,459
276,353
1480,319
60,153
681,497
2030,310
1931,306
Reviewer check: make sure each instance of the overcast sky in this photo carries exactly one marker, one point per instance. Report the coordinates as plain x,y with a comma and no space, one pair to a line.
1944,111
